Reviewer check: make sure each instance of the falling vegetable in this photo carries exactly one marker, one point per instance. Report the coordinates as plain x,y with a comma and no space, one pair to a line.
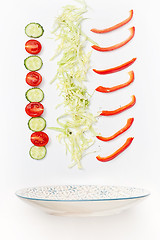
116,69
115,88
34,109
117,152
39,139
121,109
33,46
106,49
33,79
125,128
34,30
76,124
115,26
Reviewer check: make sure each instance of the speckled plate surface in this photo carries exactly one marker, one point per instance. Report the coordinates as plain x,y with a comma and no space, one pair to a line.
82,200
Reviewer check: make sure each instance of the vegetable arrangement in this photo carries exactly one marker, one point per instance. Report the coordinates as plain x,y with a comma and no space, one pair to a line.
35,95
115,88
76,124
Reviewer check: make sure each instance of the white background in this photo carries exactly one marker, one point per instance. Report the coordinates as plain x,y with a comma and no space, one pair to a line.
138,166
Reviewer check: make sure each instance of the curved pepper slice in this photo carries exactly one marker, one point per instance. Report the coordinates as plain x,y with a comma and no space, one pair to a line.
121,109
115,88
116,153
125,128
132,32
116,69
115,26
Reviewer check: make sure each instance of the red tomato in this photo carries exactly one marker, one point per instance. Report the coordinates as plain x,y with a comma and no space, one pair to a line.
34,109
39,139
33,46
33,79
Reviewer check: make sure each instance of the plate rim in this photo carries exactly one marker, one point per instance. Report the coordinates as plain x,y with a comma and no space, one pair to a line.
83,200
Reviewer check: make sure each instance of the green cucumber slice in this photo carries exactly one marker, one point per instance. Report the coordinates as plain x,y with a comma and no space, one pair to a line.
37,124
38,153
34,30
33,63
34,95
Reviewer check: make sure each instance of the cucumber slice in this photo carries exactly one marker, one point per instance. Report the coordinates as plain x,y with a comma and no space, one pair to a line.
34,30
37,152
37,124
33,63
34,95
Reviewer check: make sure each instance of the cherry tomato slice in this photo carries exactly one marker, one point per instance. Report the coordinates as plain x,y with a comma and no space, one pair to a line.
33,46
39,139
34,109
33,79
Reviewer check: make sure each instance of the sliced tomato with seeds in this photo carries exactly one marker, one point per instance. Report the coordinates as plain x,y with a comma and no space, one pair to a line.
34,109
33,46
33,79
39,139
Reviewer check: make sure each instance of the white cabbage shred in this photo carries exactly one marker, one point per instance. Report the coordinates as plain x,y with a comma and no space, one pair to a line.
76,124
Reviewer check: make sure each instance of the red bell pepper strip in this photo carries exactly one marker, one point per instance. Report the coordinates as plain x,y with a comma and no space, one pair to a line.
116,69
125,128
115,88
106,49
115,26
121,109
116,153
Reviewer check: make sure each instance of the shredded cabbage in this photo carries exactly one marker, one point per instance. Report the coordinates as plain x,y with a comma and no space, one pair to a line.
76,124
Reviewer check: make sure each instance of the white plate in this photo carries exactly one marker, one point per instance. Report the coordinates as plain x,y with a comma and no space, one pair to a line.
82,200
